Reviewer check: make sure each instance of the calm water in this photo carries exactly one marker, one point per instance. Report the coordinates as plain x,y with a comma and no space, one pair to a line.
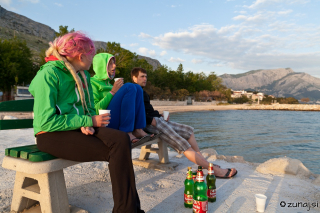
258,135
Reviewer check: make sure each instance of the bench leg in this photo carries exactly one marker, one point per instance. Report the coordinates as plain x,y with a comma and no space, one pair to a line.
19,201
163,152
144,153
48,189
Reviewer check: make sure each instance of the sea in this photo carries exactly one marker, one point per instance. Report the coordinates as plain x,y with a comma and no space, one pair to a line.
258,135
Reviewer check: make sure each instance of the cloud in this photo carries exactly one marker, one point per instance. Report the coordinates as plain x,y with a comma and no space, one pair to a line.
146,51
143,50
144,35
5,2
196,61
263,3
245,47
285,12
179,60
163,53
173,6
152,53
59,5
32,1
134,45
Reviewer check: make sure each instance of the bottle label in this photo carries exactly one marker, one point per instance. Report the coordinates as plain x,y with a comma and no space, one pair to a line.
200,206
200,177
210,171
211,193
188,199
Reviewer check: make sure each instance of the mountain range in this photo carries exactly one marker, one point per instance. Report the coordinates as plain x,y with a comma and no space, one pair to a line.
282,82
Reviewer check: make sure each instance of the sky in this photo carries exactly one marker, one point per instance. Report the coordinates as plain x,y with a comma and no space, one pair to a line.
221,36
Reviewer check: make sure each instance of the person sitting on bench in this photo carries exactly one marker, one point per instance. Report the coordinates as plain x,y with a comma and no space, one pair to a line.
178,136
124,100
65,120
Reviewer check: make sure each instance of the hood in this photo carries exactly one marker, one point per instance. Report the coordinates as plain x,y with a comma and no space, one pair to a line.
100,63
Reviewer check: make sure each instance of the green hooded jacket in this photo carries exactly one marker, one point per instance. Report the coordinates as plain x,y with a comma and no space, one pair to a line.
57,104
101,81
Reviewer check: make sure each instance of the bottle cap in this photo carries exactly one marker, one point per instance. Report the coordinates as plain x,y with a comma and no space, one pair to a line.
189,168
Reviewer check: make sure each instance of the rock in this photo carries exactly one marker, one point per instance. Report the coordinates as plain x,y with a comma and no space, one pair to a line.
285,165
208,152
25,25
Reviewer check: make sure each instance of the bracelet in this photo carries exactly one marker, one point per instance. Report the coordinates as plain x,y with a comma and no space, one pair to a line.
112,93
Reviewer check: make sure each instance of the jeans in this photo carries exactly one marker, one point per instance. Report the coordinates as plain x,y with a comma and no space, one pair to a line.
127,109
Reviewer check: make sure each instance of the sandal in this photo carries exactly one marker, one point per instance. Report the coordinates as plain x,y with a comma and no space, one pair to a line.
141,141
227,174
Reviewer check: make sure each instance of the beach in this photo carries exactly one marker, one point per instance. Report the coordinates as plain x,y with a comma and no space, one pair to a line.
161,190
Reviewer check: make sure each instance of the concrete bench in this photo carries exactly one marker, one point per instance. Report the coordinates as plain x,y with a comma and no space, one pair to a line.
39,176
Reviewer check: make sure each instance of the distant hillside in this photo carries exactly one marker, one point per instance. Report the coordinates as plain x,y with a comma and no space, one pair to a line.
278,82
38,35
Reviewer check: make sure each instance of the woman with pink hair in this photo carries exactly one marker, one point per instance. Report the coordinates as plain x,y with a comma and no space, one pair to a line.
65,121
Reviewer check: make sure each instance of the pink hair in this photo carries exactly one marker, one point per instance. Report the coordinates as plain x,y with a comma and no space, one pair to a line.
73,44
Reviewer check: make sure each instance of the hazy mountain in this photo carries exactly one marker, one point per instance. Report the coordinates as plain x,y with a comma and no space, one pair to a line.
283,82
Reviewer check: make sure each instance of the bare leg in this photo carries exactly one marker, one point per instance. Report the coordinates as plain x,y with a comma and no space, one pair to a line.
199,160
196,158
192,141
194,145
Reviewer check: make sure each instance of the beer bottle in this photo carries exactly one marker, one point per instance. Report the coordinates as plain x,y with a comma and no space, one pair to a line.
194,176
211,183
200,199
188,189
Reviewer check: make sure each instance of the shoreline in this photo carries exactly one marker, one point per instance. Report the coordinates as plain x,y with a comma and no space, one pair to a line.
280,107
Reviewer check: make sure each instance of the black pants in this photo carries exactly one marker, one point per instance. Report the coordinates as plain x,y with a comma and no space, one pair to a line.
106,144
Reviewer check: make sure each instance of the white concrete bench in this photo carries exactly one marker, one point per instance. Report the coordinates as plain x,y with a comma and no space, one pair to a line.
41,182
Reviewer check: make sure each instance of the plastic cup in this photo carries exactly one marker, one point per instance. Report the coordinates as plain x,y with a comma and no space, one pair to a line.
117,79
261,202
165,115
104,111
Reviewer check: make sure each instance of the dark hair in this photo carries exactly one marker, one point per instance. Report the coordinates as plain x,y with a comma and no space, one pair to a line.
135,72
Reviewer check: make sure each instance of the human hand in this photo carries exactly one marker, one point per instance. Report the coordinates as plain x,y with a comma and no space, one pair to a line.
167,118
117,85
101,120
154,122
87,130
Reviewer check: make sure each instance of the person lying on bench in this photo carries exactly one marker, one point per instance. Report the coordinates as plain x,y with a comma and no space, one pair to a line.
178,136
124,100
65,120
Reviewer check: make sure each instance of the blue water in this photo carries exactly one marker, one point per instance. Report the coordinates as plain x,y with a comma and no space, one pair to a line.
258,135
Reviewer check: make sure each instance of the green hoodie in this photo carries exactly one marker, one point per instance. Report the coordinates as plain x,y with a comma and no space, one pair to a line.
57,104
101,81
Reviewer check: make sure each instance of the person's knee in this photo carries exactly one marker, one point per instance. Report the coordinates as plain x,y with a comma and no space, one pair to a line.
123,140
130,87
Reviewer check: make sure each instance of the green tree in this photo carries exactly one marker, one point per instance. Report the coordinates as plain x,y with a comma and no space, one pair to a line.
63,30
16,66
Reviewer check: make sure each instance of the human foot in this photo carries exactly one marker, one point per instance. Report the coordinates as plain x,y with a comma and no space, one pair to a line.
133,138
224,173
139,133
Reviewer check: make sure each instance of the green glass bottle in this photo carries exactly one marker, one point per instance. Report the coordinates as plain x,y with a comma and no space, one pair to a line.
211,184
188,189
200,198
